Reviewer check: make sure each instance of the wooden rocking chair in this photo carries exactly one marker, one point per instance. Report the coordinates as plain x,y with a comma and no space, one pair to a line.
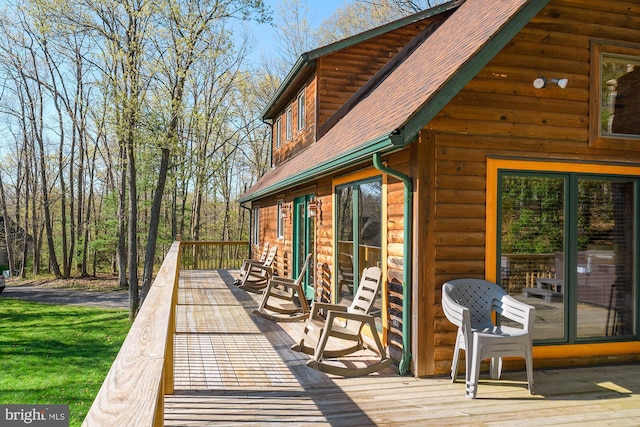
342,328
248,262
291,304
258,275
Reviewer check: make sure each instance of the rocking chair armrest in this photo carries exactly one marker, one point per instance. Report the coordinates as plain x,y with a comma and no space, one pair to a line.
317,306
332,315
268,270
283,281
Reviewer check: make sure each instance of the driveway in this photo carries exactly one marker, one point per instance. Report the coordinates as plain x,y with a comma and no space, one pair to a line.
57,296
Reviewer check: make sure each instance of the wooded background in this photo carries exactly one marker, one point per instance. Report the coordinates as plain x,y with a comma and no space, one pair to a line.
126,123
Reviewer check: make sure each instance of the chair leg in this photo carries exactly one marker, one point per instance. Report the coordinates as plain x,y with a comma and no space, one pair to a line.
454,362
473,369
496,368
529,365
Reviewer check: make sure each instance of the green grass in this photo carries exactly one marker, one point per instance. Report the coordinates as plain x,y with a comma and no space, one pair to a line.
57,354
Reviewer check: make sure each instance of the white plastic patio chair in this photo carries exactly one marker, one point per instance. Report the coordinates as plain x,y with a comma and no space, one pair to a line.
469,304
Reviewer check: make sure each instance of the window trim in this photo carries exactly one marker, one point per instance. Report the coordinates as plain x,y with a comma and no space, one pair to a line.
596,139
301,110
280,220
277,130
289,124
255,231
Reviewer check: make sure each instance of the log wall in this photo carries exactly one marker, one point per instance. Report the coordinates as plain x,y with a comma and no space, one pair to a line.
500,113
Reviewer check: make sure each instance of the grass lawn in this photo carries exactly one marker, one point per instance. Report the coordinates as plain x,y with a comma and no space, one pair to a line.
53,354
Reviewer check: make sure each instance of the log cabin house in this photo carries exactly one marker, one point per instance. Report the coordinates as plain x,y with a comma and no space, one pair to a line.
479,138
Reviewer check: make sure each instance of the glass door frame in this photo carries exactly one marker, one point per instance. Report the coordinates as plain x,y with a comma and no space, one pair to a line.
357,179
572,178
306,241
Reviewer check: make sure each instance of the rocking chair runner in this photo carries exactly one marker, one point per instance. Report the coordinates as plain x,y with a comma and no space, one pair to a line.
246,263
258,275
292,305
343,329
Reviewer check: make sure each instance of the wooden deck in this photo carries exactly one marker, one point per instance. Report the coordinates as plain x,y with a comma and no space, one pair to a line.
234,368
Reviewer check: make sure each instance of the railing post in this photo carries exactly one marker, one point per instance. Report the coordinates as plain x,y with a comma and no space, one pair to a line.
169,368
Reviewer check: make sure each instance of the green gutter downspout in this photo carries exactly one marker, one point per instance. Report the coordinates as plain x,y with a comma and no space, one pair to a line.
403,367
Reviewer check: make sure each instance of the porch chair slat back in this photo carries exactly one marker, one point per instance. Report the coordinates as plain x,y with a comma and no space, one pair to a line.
342,327
367,291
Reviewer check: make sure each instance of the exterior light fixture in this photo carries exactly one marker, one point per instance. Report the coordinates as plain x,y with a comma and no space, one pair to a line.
541,82
315,208
561,82
284,210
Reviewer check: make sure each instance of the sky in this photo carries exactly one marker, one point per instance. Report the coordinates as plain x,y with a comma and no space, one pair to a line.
319,10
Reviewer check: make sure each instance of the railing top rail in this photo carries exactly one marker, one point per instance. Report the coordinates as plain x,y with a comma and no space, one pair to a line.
214,242
132,390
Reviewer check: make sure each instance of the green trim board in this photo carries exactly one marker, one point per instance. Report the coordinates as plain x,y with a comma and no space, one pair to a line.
364,152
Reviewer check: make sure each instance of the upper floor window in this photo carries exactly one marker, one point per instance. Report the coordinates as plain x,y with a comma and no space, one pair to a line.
301,110
615,93
281,218
277,132
255,230
289,120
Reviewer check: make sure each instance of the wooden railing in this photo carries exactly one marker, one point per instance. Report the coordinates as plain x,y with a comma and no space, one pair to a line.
133,392
212,255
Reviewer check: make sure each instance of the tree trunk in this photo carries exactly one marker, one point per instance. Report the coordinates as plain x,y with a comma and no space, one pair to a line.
8,239
122,222
134,297
154,223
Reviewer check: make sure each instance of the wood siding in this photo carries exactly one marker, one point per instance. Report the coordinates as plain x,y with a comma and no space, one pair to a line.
299,138
339,75
343,73
500,113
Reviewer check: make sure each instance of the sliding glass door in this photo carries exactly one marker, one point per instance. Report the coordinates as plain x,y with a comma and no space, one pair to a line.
567,245
359,234
304,227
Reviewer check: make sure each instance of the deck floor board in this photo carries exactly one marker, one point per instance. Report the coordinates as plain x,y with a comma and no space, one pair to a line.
235,368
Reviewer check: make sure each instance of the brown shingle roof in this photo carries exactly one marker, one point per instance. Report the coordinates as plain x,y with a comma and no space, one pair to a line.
411,94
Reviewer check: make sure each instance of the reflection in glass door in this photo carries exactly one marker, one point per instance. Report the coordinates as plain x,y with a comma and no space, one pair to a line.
605,258
359,235
533,247
567,247
304,242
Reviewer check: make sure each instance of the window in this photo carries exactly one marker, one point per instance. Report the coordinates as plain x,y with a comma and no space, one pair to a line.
289,124
615,93
301,109
359,235
282,215
255,231
566,243
277,133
